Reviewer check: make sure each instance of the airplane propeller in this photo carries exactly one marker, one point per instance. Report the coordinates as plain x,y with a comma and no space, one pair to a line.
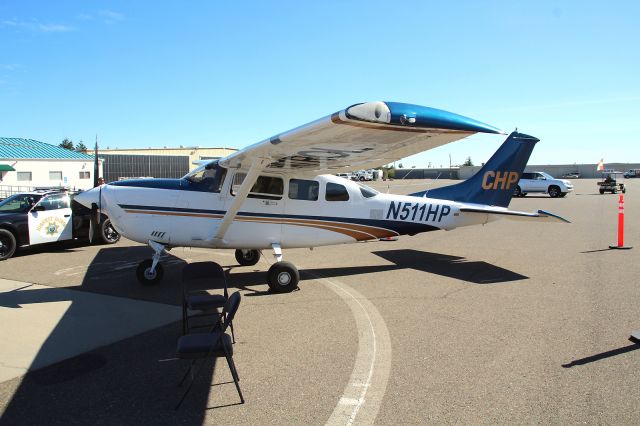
94,219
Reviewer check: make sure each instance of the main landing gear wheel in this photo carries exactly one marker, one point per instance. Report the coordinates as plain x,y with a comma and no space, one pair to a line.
283,277
146,276
247,257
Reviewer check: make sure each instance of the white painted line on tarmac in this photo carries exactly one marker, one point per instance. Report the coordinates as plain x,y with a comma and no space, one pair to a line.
363,394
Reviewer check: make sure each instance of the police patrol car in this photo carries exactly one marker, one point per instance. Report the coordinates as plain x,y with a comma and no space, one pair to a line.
46,216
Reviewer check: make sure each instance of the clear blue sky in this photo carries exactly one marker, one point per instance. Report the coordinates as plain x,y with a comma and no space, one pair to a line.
222,73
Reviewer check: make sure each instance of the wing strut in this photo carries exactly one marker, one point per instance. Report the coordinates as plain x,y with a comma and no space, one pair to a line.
252,175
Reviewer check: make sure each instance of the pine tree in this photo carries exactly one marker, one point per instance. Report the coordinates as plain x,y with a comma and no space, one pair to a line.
66,144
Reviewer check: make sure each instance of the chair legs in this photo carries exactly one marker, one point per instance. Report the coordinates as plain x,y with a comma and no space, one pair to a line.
232,369
234,374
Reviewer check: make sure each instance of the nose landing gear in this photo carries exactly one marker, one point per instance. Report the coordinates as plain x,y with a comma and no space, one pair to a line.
150,271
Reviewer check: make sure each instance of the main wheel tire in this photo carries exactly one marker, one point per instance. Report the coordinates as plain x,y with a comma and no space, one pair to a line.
283,277
247,257
554,191
7,244
144,274
108,233
517,192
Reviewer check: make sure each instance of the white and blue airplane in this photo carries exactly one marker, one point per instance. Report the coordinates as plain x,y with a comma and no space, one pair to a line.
274,195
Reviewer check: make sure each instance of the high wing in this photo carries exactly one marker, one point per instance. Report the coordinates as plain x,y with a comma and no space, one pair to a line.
361,136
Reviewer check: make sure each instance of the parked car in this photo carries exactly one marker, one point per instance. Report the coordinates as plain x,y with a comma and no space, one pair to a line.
345,175
574,175
632,173
542,182
39,217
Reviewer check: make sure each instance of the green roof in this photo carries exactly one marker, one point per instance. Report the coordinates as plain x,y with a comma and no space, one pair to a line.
32,149
6,168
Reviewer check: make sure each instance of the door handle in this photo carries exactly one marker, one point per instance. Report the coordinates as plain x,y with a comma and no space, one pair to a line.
67,215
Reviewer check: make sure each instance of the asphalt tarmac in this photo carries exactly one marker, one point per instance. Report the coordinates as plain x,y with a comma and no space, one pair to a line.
510,322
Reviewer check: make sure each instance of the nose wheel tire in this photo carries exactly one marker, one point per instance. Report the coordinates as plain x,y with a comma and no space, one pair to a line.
247,257
146,276
283,277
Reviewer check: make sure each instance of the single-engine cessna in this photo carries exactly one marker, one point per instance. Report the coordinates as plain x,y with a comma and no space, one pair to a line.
273,195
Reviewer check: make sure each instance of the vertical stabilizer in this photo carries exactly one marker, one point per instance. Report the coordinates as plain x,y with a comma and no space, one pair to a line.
495,182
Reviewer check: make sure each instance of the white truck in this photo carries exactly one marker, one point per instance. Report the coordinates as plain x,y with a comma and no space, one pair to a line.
363,175
542,182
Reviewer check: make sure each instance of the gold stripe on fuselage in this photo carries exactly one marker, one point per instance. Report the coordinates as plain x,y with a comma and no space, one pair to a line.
356,231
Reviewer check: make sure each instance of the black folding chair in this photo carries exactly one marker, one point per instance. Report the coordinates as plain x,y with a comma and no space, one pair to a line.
215,344
197,303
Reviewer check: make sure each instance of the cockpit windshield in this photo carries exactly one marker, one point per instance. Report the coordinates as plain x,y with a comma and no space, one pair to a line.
208,177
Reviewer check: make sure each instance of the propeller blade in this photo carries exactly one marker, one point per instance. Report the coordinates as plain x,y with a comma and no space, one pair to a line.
93,222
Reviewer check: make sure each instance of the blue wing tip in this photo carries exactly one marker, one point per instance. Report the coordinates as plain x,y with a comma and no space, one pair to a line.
437,118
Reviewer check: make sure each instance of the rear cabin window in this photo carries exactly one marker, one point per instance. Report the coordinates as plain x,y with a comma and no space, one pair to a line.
336,192
266,187
367,192
301,189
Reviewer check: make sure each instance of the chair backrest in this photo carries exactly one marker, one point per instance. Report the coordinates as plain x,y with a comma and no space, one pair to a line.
230,309
203,271
200,270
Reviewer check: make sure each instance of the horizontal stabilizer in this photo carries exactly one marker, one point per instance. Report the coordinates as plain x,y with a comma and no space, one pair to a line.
540,215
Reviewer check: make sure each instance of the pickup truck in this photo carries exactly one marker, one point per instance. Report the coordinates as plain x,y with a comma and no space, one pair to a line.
544,183
40,217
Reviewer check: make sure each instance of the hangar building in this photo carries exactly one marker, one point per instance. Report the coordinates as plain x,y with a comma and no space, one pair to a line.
27,163
155,162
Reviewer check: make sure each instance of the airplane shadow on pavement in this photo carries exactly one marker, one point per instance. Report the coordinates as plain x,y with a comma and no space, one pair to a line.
122,381
475,272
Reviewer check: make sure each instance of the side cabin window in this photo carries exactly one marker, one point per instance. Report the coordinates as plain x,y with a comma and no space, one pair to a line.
301,189
266,187
336,192
207,178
